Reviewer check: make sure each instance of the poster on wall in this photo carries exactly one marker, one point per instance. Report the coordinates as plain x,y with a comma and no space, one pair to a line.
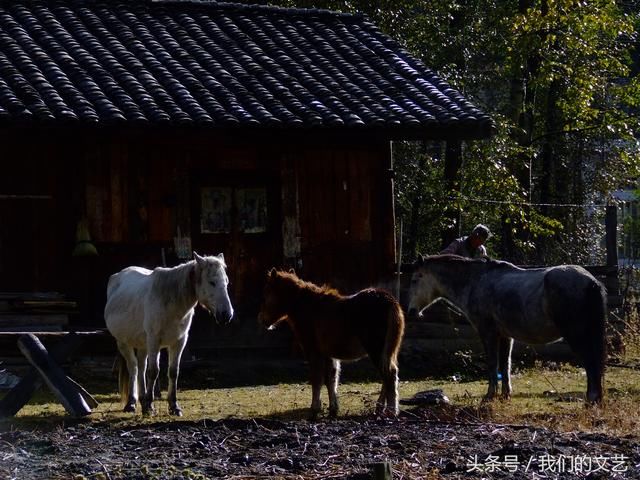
215,214
252,209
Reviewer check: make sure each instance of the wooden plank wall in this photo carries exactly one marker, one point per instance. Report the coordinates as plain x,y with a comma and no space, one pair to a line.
342,230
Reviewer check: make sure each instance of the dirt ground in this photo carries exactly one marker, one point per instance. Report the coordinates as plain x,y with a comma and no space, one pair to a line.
416,446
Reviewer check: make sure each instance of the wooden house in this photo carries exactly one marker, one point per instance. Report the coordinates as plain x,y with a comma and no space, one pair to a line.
151,128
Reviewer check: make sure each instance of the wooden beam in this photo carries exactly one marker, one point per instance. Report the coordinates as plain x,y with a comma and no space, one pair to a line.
19,395
68,394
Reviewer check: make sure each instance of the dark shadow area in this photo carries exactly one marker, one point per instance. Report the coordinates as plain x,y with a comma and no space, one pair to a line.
294,414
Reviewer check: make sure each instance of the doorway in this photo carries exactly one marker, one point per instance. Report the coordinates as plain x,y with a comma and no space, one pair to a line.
237,215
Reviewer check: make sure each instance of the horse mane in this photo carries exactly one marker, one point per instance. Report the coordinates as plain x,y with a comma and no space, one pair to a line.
168,281
319,290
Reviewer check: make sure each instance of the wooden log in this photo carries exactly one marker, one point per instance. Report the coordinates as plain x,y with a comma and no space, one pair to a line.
19,395
55,378
381,471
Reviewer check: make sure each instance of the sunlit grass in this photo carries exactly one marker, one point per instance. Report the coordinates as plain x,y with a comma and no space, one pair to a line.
551,398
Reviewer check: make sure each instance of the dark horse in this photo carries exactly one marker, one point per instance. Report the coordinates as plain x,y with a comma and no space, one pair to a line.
504,302
331,327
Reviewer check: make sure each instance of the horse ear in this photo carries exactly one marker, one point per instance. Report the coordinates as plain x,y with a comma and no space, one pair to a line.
272,272
221,256
199,260
420,260
291,270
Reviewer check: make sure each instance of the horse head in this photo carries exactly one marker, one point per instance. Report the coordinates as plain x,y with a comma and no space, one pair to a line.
272,310
423,288
211,286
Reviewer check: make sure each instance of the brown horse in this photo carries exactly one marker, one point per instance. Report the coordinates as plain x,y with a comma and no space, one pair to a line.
331,327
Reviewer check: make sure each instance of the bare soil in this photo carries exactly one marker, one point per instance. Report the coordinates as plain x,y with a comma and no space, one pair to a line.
416,446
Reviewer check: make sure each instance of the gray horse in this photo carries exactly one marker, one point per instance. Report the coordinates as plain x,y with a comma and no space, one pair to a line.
535,306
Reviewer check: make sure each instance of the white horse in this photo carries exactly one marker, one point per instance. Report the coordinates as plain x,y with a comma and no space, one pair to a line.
148,310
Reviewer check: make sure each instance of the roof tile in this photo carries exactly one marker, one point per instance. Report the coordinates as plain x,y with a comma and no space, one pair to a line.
218,65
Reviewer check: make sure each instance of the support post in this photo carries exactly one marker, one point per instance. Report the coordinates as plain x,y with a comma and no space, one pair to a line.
68,394
611,228
19,395
382,471
452,164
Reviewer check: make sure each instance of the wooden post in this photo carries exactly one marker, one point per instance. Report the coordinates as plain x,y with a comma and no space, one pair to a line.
19,395
452,164
611,228
68,394
399,267
382,471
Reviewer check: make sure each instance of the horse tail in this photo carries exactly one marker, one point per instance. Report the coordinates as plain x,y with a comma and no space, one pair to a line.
579,307
123,377
596,315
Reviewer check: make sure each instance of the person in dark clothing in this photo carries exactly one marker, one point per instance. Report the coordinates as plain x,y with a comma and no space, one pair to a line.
470,246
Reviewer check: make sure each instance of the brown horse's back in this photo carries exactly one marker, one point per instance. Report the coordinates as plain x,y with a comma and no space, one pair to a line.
370,322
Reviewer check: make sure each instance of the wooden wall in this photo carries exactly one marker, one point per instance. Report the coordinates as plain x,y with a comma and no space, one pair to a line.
329,203
345,238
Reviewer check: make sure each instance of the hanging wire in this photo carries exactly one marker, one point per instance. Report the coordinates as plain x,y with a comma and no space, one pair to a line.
529,204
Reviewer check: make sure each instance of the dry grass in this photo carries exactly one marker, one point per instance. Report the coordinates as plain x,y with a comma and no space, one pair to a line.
546,397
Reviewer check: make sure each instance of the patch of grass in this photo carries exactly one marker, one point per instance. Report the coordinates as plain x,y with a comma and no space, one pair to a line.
547,397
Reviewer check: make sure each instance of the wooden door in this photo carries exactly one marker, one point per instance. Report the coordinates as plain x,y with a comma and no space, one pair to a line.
237,215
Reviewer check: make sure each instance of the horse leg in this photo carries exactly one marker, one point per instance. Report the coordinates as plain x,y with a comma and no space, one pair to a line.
174,356
490,341
391,379
317,364
381,403
157,391
590,356
595,375
505,346
132,366
332,377
153,367
141,355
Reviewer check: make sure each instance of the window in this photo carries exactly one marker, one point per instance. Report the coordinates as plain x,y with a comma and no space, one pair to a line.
225,208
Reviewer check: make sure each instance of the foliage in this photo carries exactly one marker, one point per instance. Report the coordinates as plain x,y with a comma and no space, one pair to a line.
559,79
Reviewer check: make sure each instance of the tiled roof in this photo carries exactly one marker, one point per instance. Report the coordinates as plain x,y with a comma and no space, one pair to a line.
216,65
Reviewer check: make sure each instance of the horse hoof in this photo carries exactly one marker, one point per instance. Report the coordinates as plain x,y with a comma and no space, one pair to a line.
129,408
148,410
386,413
175,411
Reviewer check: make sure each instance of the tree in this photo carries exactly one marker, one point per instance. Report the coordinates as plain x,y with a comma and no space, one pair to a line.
557,77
